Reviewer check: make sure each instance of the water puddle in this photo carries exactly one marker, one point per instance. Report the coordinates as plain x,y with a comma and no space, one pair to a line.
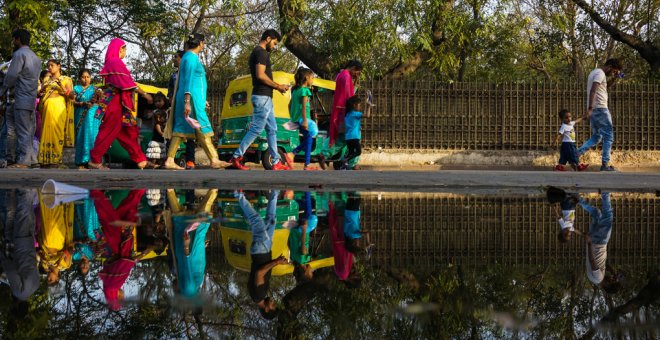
152,263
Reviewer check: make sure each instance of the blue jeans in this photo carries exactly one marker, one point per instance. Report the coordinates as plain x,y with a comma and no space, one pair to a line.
263,116
601,129
17,135
262,229
306,145
600,226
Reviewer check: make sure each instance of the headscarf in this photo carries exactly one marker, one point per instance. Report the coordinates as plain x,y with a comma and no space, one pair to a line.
115,73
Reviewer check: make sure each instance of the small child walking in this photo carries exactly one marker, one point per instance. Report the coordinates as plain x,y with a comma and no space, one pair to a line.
157,149
352,124
568,152
301,96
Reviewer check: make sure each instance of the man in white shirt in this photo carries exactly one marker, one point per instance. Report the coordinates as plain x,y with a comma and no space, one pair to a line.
600,229
597,110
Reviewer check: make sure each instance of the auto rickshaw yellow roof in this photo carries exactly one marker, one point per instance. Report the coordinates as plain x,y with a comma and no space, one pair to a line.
318,82
152,89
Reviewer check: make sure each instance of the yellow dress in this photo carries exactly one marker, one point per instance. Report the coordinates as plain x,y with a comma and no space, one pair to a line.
57,119
56,235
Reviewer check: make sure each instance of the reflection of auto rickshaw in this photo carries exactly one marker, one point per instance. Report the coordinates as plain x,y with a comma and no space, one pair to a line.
237,237
237,114
116,153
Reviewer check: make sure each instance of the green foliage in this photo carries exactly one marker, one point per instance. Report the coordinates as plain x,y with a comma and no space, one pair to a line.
32,15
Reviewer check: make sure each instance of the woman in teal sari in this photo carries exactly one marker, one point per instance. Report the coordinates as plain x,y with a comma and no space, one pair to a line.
86,234
188,229
189,118
85,121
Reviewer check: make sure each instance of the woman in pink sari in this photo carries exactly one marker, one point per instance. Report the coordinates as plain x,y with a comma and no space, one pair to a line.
117,225
344,88
117,108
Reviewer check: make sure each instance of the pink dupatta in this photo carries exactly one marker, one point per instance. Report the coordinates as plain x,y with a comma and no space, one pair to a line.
343,90
116,74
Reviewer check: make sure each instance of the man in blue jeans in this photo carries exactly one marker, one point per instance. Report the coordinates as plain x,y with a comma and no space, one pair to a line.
263,115
23,77
601,120
260,252
600,229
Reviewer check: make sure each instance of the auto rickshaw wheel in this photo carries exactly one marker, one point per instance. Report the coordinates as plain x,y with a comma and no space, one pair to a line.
267,159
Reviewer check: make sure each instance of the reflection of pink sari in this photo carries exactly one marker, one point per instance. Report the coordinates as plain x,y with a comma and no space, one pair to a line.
343,258
343,90
120,242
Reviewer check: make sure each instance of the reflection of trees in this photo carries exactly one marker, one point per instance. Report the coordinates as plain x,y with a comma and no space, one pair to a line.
449,302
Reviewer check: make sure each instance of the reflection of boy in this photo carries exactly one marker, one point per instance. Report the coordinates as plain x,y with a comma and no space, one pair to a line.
260,252
600,229
352,223
566,218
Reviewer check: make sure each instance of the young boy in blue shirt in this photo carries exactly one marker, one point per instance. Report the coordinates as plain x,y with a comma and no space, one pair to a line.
353,136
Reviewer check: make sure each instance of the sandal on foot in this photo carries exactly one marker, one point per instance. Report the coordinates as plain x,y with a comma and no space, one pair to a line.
99,166
18,166
149,165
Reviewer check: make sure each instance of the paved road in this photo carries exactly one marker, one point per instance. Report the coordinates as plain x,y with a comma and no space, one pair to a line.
396,181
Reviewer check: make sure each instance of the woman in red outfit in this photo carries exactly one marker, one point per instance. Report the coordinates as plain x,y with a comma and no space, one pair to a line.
118,119
117,225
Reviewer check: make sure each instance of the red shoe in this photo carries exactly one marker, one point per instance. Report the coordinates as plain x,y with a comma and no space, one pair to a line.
311,168
279,167
582,167
560,167
190,165
289,161
236,163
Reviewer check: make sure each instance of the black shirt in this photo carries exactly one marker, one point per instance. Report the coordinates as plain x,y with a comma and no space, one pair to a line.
170,85
258,293
260,56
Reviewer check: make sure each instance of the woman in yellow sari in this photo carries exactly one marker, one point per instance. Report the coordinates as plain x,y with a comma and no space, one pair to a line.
55,239
56,107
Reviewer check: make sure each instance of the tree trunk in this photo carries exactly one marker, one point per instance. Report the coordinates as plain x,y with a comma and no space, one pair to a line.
646,49
296,42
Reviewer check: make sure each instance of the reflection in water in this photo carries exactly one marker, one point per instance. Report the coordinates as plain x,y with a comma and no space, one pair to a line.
55,239
206,263
188,226
18,256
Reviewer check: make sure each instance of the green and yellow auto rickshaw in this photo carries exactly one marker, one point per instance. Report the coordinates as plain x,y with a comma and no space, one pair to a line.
237,114
237,236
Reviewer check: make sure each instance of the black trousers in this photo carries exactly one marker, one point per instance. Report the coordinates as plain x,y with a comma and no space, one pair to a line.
354,149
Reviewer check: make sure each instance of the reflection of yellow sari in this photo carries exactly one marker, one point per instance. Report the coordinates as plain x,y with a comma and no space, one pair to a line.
56,235
57,116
